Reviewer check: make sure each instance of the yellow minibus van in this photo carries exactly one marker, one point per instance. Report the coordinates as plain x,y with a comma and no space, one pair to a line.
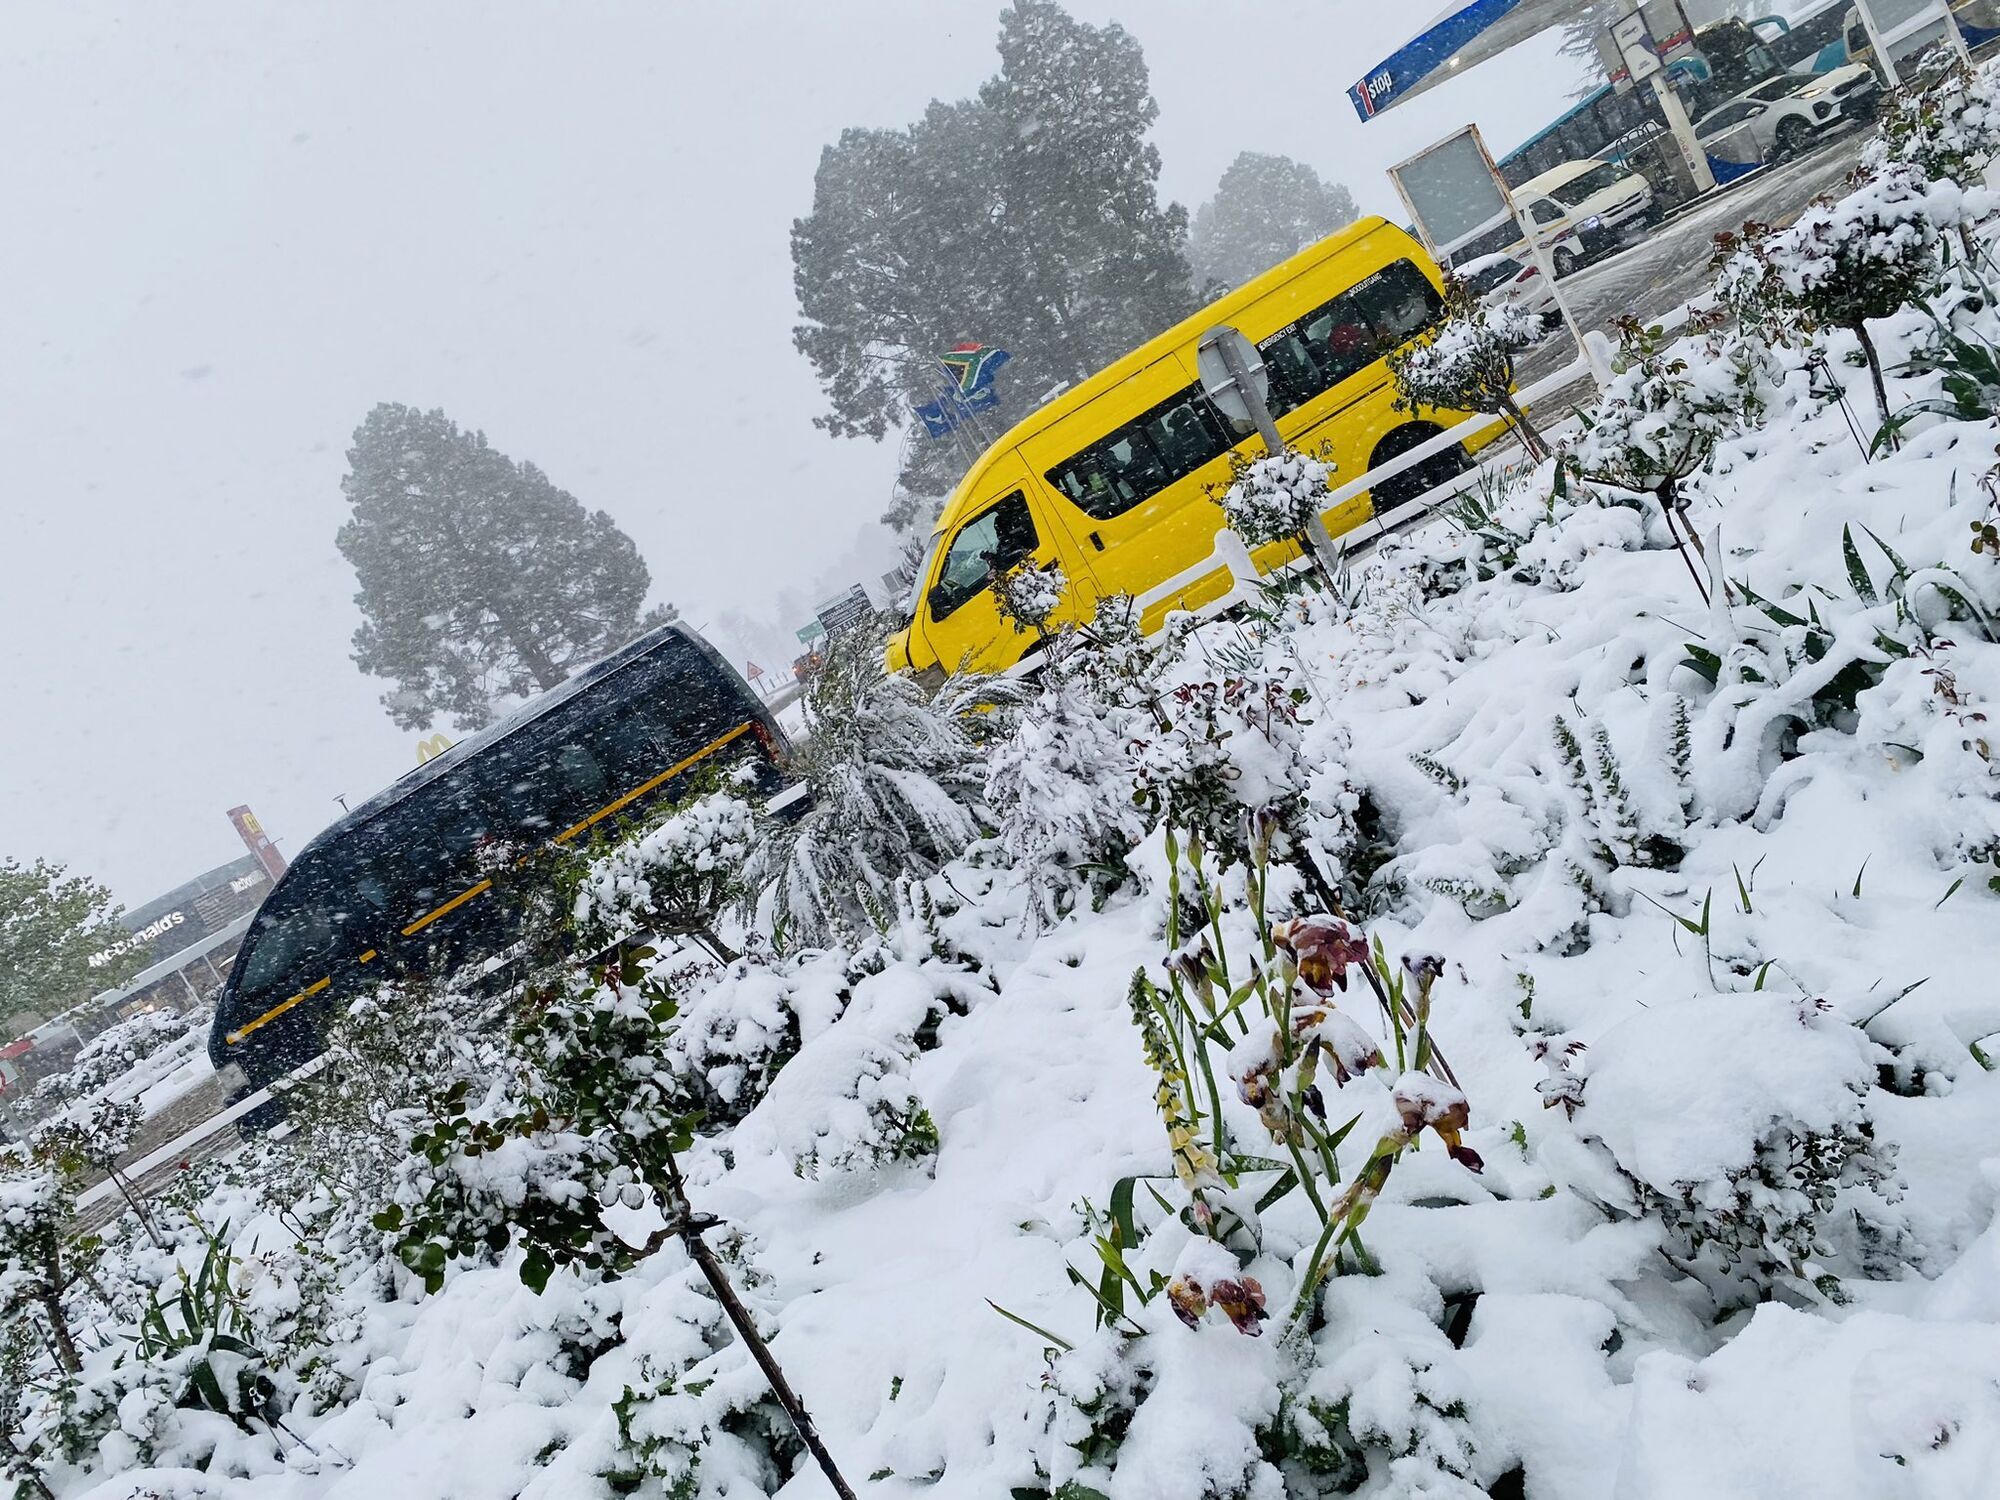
1112,478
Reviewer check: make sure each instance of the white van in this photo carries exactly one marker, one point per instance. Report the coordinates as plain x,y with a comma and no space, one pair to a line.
1584,209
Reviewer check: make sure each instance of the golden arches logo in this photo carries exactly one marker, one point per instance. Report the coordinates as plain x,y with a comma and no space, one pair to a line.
431,747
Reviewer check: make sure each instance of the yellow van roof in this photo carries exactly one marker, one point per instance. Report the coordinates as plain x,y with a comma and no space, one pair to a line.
1183,334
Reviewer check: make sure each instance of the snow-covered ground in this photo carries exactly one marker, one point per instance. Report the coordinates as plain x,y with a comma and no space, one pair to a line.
1691,1192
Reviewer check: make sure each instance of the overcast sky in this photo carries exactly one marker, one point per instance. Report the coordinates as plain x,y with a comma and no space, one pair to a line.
231,229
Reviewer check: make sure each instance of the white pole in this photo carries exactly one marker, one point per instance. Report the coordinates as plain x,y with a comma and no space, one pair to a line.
1683,133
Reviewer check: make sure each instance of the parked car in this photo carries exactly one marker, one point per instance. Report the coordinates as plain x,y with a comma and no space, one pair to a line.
1585,209
1503,278
1786,114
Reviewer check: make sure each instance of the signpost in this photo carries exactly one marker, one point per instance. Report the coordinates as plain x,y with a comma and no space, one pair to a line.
1232,373
1637,50
1455,193
844,612
1902,30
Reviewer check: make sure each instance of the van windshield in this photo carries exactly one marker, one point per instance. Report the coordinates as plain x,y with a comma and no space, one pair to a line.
1572,193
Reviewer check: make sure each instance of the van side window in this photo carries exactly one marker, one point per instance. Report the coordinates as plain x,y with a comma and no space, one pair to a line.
1348,334
994,539
1135,462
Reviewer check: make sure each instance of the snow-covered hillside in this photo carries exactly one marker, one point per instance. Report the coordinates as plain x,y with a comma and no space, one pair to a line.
1517,1018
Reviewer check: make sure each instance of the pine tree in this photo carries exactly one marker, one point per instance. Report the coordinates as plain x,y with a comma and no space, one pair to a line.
51,924
481,581
1027,218
1265,209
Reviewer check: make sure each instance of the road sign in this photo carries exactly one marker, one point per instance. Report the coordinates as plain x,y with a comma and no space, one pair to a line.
845,612
811,632
1634,40
1229,364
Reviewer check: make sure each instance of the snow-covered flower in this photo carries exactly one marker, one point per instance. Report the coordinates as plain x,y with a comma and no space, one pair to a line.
1205,1276
1426,1103
1276,497
1323,947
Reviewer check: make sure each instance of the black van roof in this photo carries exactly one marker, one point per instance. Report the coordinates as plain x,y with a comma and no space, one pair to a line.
537,707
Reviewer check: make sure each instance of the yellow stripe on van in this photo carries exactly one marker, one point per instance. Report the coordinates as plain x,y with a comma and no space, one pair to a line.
275,1011
640,791
486,885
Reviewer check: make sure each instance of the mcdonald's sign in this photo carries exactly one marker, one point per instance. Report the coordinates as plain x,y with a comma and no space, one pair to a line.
431,747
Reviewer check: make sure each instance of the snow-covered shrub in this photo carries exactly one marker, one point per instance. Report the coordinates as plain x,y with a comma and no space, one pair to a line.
896,775
846,1101
1028,595
1275,497
697,1416
1465,362
1945,121
35,1270
1229,755
1612,827
97,1137
391,1053
1846,261
1670,403
1060,788
1778,1179
672,879
119,1049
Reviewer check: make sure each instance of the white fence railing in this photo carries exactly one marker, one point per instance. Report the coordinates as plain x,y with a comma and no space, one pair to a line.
1232,556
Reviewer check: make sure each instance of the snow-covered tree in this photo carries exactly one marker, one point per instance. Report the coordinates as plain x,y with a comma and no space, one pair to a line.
675,878
51,924
1027,218
1275,498
1668,405
1265,209
1945,122
481,581
1846,261
1466,363
896,774
34,1272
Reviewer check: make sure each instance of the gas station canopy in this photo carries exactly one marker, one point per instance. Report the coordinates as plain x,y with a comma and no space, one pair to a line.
1465,33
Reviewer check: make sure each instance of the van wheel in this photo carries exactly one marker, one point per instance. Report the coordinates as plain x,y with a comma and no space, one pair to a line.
1565,263
1426,476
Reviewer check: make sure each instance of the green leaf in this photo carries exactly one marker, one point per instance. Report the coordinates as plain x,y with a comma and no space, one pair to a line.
1857,573
389,1219
1704,662
1278,1189
1859,873
1035,1328
536,1268
1950,891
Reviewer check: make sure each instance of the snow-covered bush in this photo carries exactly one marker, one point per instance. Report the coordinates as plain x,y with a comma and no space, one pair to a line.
896,775
36,1271
1060,788
1028,595
1779,1178
96,1138
119,1049
697,1415
1227,757
1945,122
1846,261
1667,407
675,878
1465,362
1275,497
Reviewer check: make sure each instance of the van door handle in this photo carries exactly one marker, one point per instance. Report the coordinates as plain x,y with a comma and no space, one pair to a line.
1097,541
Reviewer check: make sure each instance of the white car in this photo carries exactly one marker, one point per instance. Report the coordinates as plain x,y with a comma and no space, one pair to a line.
1584,209
1509,279
1785,115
